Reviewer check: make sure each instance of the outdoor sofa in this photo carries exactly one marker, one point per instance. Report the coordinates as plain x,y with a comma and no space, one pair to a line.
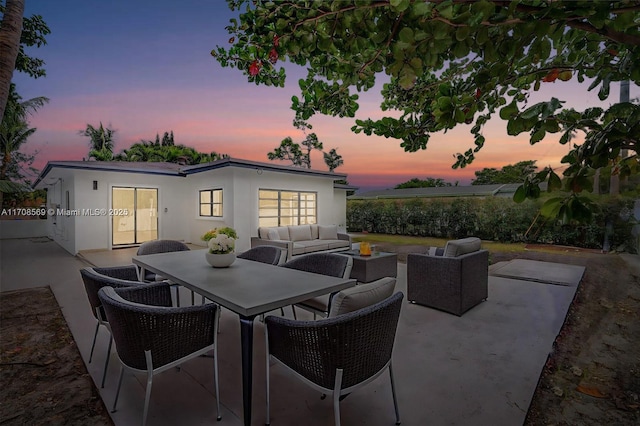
303,239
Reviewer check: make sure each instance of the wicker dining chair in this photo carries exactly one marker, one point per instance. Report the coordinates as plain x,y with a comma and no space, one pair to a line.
271,255
336,355
162,246
152,339
96,278
332,264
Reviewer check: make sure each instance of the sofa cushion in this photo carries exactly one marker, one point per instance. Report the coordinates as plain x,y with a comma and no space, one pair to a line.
283,231
463,246
335,244
314,231
300,233
297,249
361,296
329,232
273,234
311,246
263,232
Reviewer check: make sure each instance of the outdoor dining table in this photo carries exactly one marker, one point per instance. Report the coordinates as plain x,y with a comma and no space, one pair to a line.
247,288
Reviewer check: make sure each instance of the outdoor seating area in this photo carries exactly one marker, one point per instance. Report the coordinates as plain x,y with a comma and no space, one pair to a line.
473,370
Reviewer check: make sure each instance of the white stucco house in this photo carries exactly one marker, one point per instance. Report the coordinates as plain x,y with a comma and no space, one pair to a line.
104,205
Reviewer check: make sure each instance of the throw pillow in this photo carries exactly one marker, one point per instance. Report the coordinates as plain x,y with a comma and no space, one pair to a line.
361,296
273,234
329,232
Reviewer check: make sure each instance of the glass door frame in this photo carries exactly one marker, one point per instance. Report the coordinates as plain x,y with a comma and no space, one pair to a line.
115,210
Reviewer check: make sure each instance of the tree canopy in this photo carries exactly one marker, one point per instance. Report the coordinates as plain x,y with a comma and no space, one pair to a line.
423,183
455,62
511,173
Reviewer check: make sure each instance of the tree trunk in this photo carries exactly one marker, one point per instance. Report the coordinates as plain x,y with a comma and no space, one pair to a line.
10,32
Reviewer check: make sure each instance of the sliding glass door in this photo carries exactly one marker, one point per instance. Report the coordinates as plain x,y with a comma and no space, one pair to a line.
136,220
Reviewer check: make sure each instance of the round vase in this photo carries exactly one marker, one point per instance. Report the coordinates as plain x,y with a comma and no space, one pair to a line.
220,260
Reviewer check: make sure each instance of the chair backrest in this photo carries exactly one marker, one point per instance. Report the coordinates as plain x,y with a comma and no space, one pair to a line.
271,255
161,246
138,327
361,296
462,246
359,342
96,278
334,265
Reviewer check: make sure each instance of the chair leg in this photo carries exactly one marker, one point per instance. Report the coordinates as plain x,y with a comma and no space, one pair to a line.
215,367
293,309
115,401
393,392
93,345
336,396
268,420
106,362
147,395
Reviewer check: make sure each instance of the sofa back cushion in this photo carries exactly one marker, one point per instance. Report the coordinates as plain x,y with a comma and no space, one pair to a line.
314,231
361,296
462,246
329,232
300,233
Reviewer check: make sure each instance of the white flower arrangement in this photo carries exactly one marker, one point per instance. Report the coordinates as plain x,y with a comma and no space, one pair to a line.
221,241
221,244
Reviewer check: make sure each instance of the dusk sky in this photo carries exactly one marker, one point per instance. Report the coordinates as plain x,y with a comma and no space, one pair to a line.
144,67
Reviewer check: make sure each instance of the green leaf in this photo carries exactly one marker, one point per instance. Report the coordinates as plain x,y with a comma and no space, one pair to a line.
406,35
520,195
554,182
537,136
509,111
551,207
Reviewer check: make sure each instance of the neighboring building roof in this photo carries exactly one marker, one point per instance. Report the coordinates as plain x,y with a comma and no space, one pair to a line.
345,187
443,191
173,169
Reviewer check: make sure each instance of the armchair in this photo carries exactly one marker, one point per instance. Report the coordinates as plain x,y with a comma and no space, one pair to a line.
96,278
152,339
337,355
453,282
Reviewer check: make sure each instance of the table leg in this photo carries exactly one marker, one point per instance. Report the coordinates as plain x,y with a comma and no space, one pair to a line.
246,340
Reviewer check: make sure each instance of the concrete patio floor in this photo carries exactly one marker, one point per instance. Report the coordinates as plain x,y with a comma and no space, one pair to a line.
478,369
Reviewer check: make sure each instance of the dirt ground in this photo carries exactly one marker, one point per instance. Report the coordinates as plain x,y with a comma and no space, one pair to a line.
44,381
591,378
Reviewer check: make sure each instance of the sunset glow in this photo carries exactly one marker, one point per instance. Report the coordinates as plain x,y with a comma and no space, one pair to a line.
147,70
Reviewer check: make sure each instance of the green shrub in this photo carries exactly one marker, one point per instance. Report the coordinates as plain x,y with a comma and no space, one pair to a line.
495,219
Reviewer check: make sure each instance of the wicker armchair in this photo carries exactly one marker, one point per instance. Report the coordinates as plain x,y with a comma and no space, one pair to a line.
153,339
161,246
453,282
96,278
271,255
337,355
334,265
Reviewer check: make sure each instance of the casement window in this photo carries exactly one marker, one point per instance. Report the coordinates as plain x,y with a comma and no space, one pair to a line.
282,208
211,203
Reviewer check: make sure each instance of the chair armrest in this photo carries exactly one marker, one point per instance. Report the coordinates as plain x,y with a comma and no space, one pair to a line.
128,273
345,237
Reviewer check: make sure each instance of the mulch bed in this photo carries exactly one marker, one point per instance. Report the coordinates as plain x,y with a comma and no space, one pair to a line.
44,380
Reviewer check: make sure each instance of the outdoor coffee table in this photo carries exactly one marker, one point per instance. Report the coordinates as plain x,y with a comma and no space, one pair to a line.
370,268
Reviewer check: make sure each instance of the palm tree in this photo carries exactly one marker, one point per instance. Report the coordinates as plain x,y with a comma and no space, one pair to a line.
10,32
14,132
101,142
332,159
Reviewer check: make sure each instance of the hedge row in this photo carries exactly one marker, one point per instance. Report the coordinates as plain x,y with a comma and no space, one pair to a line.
494,219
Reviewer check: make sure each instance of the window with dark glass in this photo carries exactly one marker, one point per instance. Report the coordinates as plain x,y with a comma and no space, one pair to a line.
211,202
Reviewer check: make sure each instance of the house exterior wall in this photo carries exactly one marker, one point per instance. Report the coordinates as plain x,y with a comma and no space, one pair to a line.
178,203
240,199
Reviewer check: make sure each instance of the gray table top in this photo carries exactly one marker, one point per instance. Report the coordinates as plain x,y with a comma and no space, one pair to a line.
246,287
356,254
